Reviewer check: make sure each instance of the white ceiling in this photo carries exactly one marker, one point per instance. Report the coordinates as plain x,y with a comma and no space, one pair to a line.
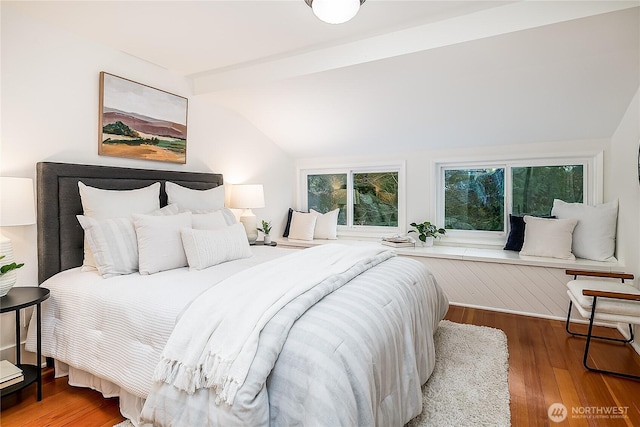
401,76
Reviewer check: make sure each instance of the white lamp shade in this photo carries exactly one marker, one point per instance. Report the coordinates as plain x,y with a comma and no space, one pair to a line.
17,205
247,196
335,11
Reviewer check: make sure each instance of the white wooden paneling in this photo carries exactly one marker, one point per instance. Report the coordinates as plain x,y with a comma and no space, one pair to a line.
532,290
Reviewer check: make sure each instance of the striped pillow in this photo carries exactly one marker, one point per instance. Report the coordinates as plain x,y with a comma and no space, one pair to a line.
206,248
113,242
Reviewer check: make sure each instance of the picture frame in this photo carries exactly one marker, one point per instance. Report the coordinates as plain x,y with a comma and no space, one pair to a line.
141,122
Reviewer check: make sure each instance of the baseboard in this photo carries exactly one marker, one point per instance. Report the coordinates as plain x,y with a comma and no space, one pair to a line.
529,314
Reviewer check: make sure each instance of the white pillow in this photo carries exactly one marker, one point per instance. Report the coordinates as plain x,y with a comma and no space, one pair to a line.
159,242
205,248
102,204
229,216
113,244
193,200
595,235
209,221
302,225
326,224
548,237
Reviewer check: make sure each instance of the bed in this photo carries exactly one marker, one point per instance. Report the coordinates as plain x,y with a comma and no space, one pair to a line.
351,348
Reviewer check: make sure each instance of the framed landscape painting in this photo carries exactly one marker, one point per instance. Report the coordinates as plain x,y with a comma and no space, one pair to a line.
141,122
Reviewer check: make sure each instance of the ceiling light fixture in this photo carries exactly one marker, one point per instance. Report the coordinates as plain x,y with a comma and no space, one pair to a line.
335,11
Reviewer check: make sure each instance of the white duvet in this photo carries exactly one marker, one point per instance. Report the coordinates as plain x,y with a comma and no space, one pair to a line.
358,357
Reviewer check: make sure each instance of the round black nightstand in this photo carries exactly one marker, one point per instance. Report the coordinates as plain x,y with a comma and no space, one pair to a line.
15,300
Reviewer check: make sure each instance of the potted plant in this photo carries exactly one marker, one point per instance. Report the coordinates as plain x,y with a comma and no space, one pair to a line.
427,232
8,276
266,229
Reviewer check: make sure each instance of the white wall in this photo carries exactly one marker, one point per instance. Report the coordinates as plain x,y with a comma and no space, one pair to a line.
623,185
49,106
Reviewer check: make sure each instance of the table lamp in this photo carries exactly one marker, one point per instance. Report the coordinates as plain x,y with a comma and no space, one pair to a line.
17,207
247,197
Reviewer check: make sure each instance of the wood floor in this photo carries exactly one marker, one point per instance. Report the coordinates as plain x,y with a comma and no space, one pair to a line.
545,368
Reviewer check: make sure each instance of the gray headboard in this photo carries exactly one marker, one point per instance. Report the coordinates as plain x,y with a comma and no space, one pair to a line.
60,237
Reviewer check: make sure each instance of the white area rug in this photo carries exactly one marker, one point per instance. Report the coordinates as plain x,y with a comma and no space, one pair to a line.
469,384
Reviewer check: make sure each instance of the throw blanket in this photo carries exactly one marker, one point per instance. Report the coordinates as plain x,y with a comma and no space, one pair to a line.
216,339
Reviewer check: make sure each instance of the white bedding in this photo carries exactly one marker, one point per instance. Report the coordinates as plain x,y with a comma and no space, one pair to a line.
116,328
358,357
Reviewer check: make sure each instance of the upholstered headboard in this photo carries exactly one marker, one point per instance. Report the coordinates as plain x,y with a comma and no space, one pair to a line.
60,237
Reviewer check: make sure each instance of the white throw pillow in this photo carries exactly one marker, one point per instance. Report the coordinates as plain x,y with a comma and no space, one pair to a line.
229,216
194,200
302,226
326,224
103,204
113,243
595,235
205,248
209,221
159,242
548,237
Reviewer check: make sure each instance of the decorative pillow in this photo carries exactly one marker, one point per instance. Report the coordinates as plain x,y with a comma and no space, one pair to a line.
287,227
102,204
193,200
302,226
113,244
326,224
159,242
205,248
229,216
516,232
548,237
209,221
595,235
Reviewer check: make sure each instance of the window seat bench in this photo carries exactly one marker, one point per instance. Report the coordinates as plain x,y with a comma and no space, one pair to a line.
493,279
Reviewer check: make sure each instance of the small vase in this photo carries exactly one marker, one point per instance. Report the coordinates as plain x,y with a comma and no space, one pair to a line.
428,242
7,280
267,239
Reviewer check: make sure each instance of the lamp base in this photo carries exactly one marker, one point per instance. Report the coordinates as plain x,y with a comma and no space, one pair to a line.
250,223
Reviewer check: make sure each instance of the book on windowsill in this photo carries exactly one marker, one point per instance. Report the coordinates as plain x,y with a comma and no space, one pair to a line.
9,374
398,242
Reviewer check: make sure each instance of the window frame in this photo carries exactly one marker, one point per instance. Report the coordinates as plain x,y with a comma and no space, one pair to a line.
351,230
593,166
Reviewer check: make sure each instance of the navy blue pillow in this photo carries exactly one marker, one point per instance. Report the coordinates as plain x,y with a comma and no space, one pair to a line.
515,240
288,226
516,233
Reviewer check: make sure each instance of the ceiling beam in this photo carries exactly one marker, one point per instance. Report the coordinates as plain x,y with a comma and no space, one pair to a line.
478,25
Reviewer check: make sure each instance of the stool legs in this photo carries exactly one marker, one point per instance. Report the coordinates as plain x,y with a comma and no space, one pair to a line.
589,335
577,334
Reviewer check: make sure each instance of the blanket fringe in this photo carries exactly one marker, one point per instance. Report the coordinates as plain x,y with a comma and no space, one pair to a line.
189,379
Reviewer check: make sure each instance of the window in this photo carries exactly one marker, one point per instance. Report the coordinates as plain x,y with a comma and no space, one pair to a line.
475,199
369,198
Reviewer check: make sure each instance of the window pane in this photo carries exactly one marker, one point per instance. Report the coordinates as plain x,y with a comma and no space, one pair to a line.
534,188
474,199
375,199
327,192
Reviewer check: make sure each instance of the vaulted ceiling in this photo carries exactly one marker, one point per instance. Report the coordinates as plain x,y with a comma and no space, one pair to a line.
401,76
